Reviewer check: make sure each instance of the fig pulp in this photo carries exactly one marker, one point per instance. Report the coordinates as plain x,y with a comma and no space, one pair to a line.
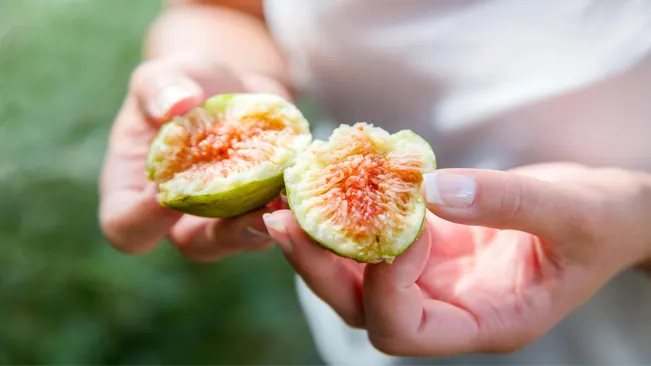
358,194
227,157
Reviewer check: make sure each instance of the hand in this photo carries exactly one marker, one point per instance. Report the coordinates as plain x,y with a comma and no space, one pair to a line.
503,258
130,216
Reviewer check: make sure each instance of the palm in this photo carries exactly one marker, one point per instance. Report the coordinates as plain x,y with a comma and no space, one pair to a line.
503,278
463,288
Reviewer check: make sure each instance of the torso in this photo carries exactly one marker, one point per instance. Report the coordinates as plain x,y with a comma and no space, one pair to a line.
496,84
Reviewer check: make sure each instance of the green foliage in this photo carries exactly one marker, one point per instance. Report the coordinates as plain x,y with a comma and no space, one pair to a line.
65,296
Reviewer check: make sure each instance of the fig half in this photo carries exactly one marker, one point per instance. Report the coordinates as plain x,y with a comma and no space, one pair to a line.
358,194
227,157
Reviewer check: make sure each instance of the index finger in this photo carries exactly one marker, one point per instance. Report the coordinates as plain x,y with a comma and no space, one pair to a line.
131,218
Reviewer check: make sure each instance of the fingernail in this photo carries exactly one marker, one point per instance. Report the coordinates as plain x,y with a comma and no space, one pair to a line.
275,224
170,95
449,189
256,236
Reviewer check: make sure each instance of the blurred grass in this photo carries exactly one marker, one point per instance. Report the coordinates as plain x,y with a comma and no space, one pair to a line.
65,296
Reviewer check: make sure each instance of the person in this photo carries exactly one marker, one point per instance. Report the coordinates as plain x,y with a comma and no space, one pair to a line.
537,243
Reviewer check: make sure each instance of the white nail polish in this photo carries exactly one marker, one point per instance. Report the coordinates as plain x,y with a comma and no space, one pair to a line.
167,97
277,225
432,189
450,189
272,222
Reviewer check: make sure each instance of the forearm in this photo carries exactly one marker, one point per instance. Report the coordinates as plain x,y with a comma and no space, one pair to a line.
233,35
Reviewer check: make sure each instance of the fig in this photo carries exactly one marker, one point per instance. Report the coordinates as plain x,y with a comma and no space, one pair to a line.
358,194
227,156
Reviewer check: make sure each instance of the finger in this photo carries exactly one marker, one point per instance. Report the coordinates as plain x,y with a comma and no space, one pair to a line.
165,88
506,200
203,239
130,216
402,319
335,280
262,84
553,172
164,94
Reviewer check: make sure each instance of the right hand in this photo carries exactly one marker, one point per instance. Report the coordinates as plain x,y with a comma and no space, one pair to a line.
130,216
502,259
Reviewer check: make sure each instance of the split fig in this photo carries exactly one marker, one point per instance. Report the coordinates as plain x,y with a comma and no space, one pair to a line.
227,157
358,194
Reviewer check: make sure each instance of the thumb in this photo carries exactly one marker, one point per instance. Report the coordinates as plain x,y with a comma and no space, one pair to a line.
506,200
165,88
163,92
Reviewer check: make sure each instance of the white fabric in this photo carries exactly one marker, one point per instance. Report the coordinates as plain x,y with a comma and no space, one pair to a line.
491,84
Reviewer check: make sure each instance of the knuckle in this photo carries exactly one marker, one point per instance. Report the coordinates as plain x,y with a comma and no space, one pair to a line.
116,232
511,201
588,219
145,72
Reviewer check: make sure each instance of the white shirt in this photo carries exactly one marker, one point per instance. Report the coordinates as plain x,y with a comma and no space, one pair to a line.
491,84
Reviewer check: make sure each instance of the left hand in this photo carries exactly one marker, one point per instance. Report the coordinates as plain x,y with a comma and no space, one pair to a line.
131,218
503,258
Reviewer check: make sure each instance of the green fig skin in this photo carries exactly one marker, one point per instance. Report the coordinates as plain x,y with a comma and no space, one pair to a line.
228,204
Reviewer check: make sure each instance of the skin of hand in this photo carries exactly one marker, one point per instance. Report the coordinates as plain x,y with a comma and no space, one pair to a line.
194,49
503,258
132,219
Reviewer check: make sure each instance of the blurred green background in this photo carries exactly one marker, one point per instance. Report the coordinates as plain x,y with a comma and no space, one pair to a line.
65,296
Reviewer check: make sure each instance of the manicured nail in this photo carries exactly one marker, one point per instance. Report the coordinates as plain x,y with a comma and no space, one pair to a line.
169,96
450,189
275,224
256,236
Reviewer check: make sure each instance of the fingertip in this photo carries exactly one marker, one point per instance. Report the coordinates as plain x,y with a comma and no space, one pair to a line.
164,92
406,268
392,298
448,189
276,221
172,98
505,200
277,228
302,252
